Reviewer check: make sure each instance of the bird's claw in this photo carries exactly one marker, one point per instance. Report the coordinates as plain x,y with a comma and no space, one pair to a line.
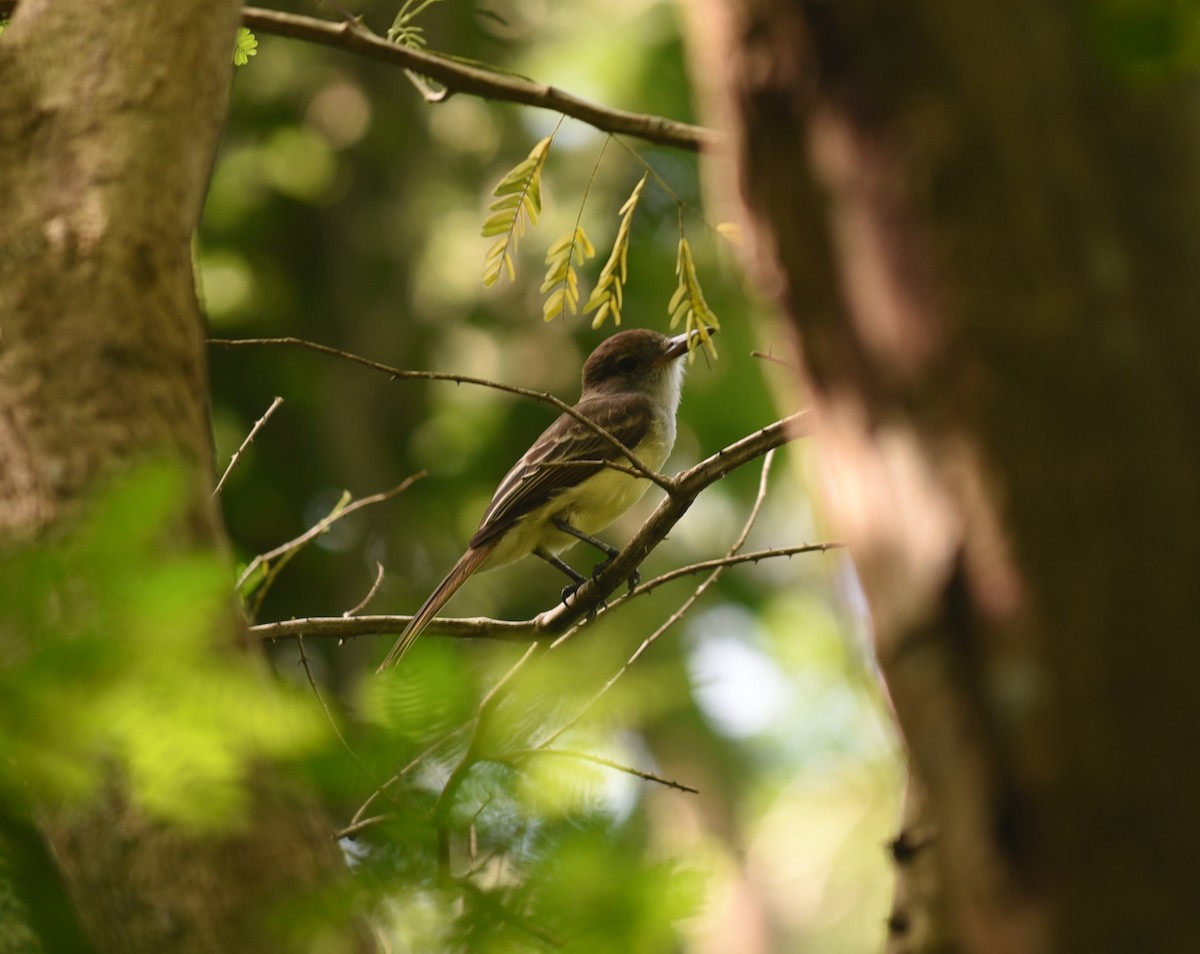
634,578
571,589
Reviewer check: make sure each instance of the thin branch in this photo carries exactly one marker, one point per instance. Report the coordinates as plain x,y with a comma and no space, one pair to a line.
599,760
754,556
360,826
485,627
401,374
459,77
324,524
674,617
258,425
355,610
559,619
352,37
505,914
445,799
341,627
329,715
767,356
666,186
688,485
358,823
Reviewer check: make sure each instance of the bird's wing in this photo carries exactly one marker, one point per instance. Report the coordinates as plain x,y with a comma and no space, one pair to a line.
566,454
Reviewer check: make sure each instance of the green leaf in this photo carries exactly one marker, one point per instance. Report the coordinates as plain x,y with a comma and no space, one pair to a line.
607,296
569,250
245,45
517,203
688,303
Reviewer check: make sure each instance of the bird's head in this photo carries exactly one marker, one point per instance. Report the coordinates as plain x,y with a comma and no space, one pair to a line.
640,361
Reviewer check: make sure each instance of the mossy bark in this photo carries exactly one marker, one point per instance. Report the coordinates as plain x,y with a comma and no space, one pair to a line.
109,122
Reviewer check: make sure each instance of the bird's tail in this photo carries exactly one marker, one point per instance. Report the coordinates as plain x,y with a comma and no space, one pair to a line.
467,564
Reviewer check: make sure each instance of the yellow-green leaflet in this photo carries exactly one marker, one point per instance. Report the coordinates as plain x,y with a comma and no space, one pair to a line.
572,249
518,203
688,302
608,294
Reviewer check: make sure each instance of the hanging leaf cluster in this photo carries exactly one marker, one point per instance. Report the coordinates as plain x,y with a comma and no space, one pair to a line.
517,205
608,295
574,248
518,202
688,303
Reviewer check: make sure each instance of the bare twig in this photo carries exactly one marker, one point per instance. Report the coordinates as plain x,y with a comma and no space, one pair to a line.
766,356
322,525
504,913
598,760
258,425
458,77
401,374
554,621
674,617
358,823
754,556
329,715
469,756
445,800
353,611
355,828
688,486
341,627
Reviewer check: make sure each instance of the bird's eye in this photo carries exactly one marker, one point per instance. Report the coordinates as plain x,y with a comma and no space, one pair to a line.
627,365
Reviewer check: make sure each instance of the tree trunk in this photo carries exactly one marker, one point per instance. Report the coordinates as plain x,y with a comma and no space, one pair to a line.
985,237
109,121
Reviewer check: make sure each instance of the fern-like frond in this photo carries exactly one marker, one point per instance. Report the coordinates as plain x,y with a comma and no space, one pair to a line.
688,303
609,292
572,249
518,202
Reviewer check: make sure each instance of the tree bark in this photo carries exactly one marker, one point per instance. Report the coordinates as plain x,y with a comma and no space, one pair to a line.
984,237
109,123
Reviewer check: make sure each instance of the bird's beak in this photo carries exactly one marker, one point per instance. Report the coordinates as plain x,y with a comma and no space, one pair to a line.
678,345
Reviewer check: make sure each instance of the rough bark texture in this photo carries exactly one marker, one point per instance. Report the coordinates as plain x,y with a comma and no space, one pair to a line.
109,121
985,238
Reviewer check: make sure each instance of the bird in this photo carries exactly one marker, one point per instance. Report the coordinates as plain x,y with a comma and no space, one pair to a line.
560,491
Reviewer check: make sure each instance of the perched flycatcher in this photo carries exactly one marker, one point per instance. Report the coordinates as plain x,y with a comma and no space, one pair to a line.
560,491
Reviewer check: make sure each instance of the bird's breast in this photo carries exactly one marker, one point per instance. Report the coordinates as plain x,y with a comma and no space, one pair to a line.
596,502
589,506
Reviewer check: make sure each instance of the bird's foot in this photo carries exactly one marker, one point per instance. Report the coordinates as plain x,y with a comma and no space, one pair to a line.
634,578
571,589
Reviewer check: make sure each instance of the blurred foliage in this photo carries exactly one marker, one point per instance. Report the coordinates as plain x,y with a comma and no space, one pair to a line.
346,209
112,657
1147,39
